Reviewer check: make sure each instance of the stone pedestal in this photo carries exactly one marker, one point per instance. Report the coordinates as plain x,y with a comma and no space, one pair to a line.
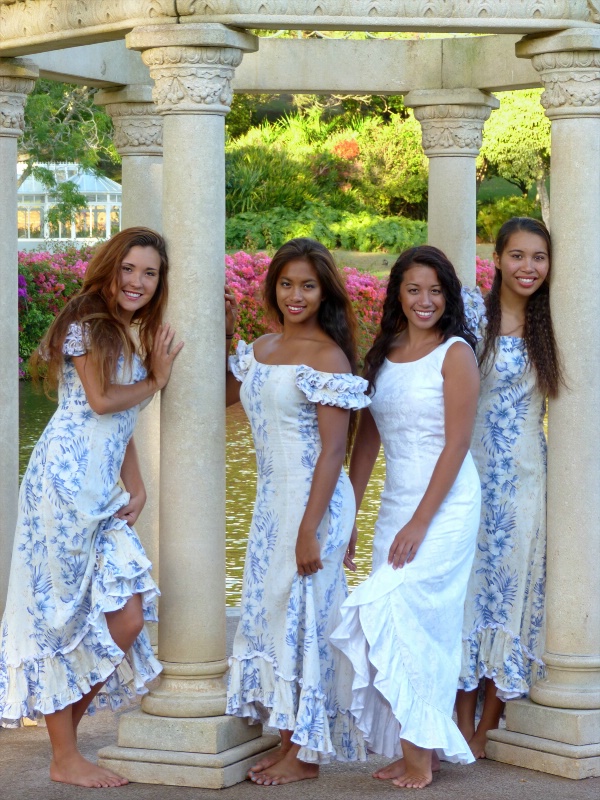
138,139
192,67
17,79
452,125
559,731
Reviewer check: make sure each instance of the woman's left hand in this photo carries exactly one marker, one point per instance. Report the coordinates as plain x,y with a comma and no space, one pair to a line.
406,543
133,509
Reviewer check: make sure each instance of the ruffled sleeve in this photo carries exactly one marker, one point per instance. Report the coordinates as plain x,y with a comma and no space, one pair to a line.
474,311
332,388
240,362
76,341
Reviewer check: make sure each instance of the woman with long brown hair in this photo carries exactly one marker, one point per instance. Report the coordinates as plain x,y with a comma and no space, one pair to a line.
80,588
299,392
503,635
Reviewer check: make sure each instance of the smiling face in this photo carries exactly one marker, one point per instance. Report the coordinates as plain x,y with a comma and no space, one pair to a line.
421,297
524,263
138,280
299,292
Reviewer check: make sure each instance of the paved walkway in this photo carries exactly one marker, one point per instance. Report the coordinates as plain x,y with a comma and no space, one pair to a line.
25,755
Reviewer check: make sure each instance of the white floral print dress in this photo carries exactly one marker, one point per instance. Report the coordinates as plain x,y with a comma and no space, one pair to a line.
73,561
504,632
283,671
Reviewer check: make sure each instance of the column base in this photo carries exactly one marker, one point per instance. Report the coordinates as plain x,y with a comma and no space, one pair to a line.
559,741
208,753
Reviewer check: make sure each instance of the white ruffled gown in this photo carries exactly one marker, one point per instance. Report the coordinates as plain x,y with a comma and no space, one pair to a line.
73,561
283,671
402,628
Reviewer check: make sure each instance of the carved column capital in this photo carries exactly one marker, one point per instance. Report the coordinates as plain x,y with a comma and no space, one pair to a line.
137,123
192,66
569,68
17,79
451,121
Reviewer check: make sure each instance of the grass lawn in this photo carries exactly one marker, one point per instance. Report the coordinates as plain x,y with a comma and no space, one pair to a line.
381,263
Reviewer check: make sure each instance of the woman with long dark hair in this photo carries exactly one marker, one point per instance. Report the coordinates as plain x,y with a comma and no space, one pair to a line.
503,636
80,587
401,627
299,392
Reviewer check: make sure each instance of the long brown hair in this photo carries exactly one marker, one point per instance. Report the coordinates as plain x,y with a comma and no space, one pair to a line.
336,315
538,332
393,320
95,306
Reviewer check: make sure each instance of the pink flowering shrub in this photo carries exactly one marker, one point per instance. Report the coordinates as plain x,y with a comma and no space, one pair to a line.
484,274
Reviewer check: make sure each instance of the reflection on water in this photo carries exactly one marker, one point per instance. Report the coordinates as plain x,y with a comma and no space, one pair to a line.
35,410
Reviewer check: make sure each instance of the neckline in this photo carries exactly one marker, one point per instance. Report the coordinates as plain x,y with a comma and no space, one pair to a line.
435,349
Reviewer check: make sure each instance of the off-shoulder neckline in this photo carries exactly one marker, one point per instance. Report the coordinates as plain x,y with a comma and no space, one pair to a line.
306,366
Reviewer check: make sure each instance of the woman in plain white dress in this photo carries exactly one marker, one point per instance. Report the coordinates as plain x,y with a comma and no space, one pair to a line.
402,627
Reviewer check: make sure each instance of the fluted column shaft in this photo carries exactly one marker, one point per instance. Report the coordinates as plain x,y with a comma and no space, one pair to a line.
452,125
17,79
138,139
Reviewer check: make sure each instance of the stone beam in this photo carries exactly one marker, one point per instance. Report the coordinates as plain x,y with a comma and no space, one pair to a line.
321,66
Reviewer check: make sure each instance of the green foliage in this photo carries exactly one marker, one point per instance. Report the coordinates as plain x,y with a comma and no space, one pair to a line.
491,216
516,139
66,197
362,231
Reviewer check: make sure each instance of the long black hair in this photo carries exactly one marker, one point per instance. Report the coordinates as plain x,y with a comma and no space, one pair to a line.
393,319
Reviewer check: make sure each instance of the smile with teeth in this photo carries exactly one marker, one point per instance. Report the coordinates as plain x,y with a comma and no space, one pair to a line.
423,314
526,281
132,295
295,309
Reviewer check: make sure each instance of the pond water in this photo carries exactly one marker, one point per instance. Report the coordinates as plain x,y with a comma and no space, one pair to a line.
35,410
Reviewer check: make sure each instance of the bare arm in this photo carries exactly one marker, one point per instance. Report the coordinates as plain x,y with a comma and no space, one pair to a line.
232,385
364,455
131,477
461,390
119,397
333,429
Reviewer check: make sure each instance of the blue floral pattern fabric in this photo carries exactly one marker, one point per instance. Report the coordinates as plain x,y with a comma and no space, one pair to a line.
283,671
73,561
504,632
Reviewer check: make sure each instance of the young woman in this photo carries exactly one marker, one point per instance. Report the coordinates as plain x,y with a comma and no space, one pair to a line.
503,636
80,587
298,390
401,627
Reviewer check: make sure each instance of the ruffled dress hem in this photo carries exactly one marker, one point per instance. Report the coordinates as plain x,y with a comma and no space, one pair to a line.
385,703
54,681
493,652
323,733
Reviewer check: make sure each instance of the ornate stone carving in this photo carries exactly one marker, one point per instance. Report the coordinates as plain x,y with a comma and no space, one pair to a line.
13,94
571,82
192,79
138,128
452,130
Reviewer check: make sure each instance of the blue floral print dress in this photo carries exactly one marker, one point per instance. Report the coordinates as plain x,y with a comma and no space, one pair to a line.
283,671
73,561
503,633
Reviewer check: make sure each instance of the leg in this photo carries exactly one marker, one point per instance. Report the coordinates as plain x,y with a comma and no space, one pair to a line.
417,761
466,704
493,708
68,765
397,768
287,768
124,626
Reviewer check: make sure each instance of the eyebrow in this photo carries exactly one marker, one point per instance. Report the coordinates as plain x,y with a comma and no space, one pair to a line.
433,285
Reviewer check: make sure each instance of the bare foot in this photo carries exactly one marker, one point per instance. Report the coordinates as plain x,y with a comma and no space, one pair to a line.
418,771
398,768
477,744
78,771
269,761
287,770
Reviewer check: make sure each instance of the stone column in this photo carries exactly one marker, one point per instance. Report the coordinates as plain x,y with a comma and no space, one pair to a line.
17,79
182,736
138,139
452,125
558,730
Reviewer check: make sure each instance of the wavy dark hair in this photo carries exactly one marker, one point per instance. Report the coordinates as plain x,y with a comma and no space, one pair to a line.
336,314
97,307
393,320
538,332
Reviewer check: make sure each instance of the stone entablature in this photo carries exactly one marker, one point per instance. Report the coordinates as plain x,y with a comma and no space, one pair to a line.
29,26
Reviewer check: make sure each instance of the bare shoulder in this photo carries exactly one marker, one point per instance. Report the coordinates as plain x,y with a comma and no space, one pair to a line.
264,345
329,357
459,357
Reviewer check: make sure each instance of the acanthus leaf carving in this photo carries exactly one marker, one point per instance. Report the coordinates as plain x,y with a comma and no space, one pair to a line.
137,128
13,94
452,129
571,82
